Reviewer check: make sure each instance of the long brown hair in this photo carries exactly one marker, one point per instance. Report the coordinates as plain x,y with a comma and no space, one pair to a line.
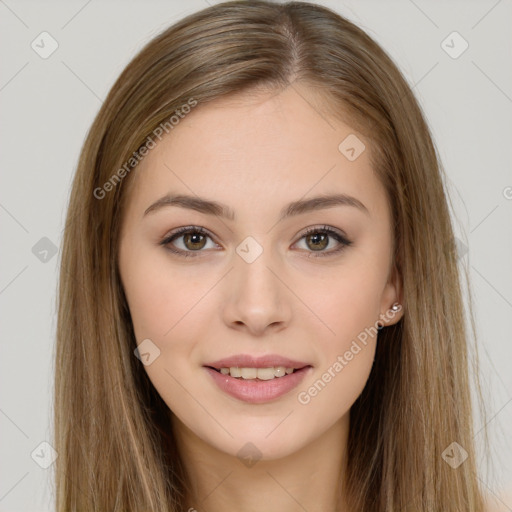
112,429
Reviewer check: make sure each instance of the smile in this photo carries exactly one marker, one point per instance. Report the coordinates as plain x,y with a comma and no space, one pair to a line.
257,385
273,372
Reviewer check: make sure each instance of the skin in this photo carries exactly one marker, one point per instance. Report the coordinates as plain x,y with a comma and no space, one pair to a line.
256,153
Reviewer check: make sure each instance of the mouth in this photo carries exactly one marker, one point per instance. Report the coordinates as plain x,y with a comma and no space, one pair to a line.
257,374
258,385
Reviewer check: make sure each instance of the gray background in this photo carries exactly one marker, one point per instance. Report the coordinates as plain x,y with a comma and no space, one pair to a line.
47,106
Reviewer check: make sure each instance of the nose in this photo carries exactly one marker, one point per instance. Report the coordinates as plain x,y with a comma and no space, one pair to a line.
257,299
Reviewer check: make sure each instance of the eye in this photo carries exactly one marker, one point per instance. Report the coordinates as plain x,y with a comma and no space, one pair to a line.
318,239
194,240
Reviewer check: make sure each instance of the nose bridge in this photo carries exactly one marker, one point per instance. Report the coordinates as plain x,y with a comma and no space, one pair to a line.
252,271
256,297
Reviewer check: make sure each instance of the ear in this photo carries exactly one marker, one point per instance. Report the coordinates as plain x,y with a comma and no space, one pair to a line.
392,296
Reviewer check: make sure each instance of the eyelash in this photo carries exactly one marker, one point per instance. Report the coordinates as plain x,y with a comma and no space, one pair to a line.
342,240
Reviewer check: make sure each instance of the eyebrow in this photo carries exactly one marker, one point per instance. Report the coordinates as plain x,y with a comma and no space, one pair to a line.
209,207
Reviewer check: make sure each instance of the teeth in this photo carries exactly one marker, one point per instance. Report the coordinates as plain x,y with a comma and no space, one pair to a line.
263,373
259,373
248,373
235,372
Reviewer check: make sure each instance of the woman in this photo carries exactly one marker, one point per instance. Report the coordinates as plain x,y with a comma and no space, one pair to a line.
260,306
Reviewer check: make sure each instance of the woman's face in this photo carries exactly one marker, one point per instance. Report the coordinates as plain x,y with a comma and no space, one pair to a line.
253,283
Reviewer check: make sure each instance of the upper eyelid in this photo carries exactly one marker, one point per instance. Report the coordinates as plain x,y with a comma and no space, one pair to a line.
179,232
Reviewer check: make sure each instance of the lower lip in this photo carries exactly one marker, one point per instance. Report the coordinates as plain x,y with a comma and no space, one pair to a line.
258,391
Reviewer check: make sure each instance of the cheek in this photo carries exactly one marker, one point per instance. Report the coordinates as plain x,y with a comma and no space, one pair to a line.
347,349
348,307
164,303
347,304
158,295
336,386
168,305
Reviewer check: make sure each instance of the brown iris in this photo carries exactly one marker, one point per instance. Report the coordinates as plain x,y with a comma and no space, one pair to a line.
195,241
319,239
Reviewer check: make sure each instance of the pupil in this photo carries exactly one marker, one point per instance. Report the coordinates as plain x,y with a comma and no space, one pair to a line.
316,240
195,237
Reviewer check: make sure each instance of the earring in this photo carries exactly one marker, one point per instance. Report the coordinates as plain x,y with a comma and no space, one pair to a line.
395,307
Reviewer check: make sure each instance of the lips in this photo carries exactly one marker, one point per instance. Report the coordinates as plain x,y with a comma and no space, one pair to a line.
257,379
248,361
258,391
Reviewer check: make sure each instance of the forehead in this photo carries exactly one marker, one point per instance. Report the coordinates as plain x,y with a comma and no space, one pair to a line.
256,151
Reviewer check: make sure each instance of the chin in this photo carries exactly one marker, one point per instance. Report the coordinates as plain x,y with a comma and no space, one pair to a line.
269,440
252,449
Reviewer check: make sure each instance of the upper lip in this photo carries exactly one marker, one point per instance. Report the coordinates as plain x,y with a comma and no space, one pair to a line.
248,361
